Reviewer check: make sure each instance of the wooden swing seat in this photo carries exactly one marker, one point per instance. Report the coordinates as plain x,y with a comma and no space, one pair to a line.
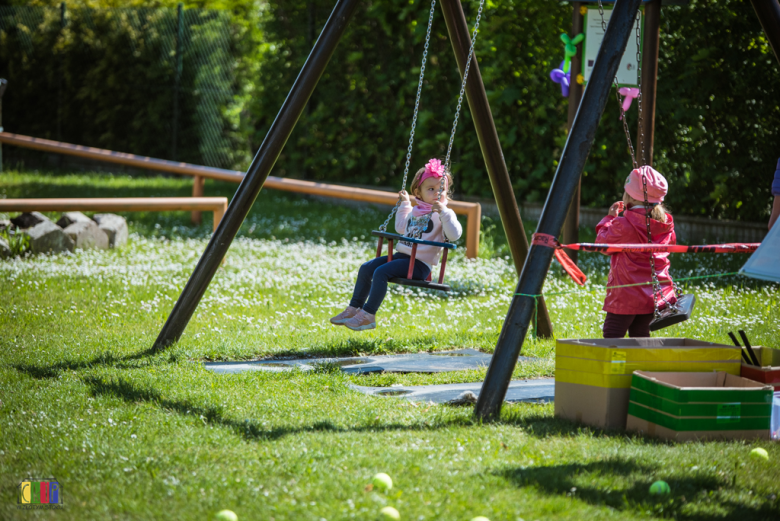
409,281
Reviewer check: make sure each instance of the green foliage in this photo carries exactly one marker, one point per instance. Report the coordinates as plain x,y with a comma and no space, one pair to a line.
108,78
356,127
716,126
717,122
18,242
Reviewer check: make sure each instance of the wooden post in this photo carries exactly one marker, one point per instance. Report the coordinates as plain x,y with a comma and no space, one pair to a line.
571,227
491,147
197,191
650,46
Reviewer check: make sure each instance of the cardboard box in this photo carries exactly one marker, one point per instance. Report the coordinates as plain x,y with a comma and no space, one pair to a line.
696,406
769,372
593,377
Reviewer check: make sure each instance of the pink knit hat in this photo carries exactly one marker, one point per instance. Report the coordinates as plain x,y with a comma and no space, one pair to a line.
657,187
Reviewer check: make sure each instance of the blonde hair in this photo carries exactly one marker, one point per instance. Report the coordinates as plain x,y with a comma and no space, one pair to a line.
658,212
416,183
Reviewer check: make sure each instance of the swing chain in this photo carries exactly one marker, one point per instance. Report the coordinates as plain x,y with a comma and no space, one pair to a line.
657,290
460,95
625,124
383,227
641,141
457,112
601,12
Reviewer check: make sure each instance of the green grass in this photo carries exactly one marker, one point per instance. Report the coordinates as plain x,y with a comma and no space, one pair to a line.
136,436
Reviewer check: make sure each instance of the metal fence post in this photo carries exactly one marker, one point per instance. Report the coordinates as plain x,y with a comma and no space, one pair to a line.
575,154
63,23
263,162
176,81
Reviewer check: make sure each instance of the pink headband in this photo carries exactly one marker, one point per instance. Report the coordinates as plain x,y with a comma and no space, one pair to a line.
434,168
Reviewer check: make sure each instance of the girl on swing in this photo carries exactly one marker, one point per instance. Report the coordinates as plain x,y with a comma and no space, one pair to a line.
430,220
631,309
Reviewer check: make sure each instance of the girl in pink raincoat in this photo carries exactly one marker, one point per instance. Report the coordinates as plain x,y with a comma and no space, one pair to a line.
631,309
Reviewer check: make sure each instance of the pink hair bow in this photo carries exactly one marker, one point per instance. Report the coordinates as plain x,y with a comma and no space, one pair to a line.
628,96
434,168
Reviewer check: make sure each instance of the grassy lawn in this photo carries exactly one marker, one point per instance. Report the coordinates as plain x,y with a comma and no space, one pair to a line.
134,436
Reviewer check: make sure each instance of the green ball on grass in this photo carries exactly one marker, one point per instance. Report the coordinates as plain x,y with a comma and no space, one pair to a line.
480,518
660,488
382,481
759,454
389,514
226,515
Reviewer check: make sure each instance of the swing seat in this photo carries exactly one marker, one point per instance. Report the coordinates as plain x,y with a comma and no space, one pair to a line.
421,284
670,316
408,281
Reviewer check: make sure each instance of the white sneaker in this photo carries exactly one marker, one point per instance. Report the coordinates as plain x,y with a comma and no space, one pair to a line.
361,321
345,315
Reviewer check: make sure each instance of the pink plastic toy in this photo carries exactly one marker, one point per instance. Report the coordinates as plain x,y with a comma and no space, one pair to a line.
628,96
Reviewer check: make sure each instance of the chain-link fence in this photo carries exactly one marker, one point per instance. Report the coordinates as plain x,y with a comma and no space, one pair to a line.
157,82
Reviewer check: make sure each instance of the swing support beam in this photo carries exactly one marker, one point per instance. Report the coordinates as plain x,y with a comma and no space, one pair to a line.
768,12
498,173
261,166
564,185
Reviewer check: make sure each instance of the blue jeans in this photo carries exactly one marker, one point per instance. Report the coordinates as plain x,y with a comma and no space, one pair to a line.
373,277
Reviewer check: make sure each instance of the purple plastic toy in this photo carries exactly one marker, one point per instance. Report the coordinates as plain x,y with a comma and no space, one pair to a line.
564,78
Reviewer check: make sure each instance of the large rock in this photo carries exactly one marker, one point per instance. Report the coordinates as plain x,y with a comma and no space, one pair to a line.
87,234
47,237
69,218
114,226
5,250
28,220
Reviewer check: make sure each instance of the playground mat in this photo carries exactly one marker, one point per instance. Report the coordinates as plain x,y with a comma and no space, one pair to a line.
437,362
542,390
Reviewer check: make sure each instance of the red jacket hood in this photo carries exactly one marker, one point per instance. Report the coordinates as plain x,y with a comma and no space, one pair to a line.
661,232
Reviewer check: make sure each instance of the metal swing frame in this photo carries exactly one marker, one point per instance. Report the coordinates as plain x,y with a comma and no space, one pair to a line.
285,122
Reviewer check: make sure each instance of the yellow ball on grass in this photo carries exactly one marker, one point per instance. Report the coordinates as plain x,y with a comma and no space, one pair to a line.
382,481
760,454
226,515
389,514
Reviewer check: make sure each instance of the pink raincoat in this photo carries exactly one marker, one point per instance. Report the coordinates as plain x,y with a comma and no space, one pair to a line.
634,267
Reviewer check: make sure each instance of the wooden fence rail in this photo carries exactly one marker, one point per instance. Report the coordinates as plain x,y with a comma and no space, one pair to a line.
472,211
218,205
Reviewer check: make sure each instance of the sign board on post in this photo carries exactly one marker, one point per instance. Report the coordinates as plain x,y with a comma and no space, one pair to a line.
628,72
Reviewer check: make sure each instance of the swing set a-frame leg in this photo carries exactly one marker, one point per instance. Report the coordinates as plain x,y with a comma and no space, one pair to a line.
575,153
491,147
258,171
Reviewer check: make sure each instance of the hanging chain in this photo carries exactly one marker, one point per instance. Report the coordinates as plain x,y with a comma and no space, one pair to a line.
641,140
457,112
601,12
625,125
414,119
462,91
657,291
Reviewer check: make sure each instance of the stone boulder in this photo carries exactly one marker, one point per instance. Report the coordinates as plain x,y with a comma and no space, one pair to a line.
114,226
28,220
5,250
47,237
69,218
87,234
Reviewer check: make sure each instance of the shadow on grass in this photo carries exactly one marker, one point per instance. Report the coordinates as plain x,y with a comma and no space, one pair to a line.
209,414
578,481
133,361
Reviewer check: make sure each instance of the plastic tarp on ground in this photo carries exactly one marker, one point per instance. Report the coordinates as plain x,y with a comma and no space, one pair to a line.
765,262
